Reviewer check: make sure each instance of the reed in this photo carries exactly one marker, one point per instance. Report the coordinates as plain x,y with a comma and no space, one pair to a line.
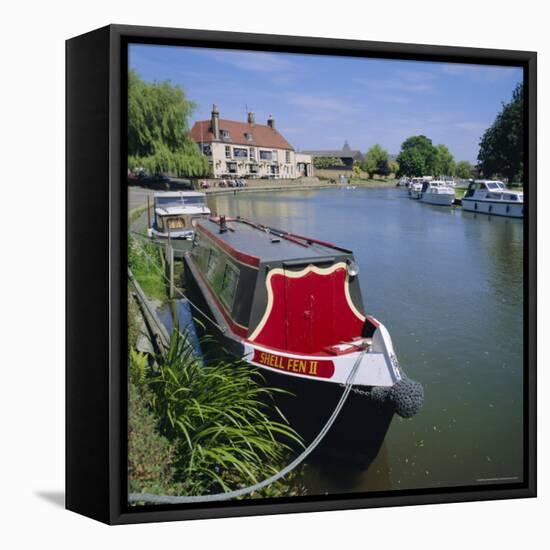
220,418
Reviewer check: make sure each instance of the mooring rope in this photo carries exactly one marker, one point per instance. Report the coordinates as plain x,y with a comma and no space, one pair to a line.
167,499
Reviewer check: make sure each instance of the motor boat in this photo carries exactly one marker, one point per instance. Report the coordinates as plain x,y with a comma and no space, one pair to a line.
492,197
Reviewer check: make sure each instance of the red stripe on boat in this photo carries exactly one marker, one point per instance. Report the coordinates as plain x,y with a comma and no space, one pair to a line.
248,259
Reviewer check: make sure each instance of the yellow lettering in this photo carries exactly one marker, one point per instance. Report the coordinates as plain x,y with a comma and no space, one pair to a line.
313,368
263,358
302,367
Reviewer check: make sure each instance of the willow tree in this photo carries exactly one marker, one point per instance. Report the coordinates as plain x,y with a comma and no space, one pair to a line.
158,115
444,162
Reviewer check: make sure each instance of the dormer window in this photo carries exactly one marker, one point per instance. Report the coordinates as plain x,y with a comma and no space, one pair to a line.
225,134
248,136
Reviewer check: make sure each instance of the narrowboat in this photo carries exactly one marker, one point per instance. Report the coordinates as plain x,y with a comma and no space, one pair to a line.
175,214
292,306
492,197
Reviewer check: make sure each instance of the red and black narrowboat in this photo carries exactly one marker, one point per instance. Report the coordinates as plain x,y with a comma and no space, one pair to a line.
292,306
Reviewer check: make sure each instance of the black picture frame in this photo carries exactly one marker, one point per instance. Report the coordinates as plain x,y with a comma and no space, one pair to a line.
96,218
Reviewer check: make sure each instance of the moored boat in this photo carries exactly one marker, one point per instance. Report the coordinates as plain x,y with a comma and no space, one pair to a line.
175,214
437,192
492,197
415,187
292,306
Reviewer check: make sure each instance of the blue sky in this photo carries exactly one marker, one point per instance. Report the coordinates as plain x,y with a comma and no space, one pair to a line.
320,101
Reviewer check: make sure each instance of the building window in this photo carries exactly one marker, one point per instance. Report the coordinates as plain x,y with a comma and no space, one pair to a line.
227,151
207,149
232,167
274,156
229,285
240,152
248,136
225,134
252,153
287,157
265,155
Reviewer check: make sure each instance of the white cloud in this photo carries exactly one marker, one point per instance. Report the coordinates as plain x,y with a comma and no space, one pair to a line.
480,73
261,62
321,105
404,81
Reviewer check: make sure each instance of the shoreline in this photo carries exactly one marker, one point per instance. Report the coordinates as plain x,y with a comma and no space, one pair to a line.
374,184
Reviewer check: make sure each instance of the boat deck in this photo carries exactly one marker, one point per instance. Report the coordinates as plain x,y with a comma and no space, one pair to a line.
269,244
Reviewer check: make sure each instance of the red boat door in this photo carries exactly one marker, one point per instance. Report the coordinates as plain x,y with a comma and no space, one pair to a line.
309,300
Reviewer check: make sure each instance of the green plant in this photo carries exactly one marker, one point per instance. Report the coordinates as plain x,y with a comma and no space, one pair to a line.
220,418
158,114
376,161
502,145
327,162
146,262
150,455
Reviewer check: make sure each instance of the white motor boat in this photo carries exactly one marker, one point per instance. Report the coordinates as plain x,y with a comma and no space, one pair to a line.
175,214
403,182
415,187
492,197
437,192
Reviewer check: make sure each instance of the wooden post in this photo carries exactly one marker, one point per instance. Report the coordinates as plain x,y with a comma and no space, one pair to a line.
171,272
148,213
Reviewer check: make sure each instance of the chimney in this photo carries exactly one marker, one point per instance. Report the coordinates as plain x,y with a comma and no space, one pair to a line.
215,123
271,122
251,118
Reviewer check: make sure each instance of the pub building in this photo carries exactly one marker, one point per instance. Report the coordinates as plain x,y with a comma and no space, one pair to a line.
248,150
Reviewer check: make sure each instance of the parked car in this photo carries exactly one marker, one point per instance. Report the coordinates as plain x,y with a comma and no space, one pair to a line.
180,184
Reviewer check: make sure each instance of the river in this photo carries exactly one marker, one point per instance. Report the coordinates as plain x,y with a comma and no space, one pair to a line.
449,287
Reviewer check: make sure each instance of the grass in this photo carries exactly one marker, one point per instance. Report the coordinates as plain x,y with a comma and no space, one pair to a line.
373,182
147,264
200,429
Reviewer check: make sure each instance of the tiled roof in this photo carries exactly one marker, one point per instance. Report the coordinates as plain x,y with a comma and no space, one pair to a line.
339,153
261,135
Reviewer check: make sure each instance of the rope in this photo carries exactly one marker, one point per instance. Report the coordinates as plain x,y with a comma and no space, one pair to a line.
166,499
152,262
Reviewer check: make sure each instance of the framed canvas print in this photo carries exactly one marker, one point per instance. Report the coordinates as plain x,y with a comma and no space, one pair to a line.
300,274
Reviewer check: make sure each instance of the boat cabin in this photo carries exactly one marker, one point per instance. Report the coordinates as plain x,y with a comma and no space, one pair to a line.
278,289
175,213
492,190
436,186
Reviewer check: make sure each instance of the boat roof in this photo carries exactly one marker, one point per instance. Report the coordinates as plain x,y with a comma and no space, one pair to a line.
268,244
178,194
179,210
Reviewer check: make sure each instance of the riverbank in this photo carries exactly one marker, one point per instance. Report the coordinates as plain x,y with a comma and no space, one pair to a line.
296,185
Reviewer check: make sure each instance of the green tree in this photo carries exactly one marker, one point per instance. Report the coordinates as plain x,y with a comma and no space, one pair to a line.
327,162
376,161
464,169
416,157
444,162
394,167
158,115
501,146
